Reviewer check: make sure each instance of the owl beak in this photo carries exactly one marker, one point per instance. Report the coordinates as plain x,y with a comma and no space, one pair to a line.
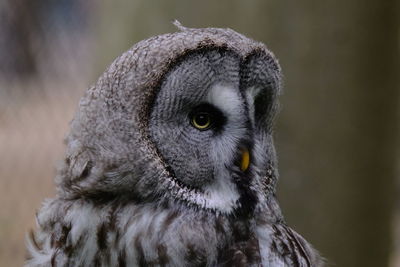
245,162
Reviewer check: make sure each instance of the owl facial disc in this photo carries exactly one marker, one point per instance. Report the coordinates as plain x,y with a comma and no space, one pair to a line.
207,125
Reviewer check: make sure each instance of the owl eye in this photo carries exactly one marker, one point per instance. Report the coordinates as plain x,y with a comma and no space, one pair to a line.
201,120
206,116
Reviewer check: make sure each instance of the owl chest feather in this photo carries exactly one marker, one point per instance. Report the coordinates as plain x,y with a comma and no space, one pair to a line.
79,233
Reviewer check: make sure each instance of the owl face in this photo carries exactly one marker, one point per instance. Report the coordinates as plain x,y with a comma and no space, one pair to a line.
203,124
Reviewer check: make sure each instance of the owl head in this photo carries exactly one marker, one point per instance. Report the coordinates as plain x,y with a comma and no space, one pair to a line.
181,118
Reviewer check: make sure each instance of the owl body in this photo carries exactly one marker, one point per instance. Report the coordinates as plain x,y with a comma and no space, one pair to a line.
121,233
170,162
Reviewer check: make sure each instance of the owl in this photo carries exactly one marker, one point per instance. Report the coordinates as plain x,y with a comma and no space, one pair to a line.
170,162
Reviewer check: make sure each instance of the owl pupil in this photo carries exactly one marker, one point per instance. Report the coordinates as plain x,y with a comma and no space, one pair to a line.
202,119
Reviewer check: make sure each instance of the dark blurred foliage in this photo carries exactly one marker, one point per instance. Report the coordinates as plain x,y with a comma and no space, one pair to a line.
337,135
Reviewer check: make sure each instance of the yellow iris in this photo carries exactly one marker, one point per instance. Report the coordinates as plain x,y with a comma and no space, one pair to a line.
245,160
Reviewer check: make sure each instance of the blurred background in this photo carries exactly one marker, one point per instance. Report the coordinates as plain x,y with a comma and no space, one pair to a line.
337,136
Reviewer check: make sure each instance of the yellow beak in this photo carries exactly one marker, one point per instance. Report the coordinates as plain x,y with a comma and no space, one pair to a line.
245,159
